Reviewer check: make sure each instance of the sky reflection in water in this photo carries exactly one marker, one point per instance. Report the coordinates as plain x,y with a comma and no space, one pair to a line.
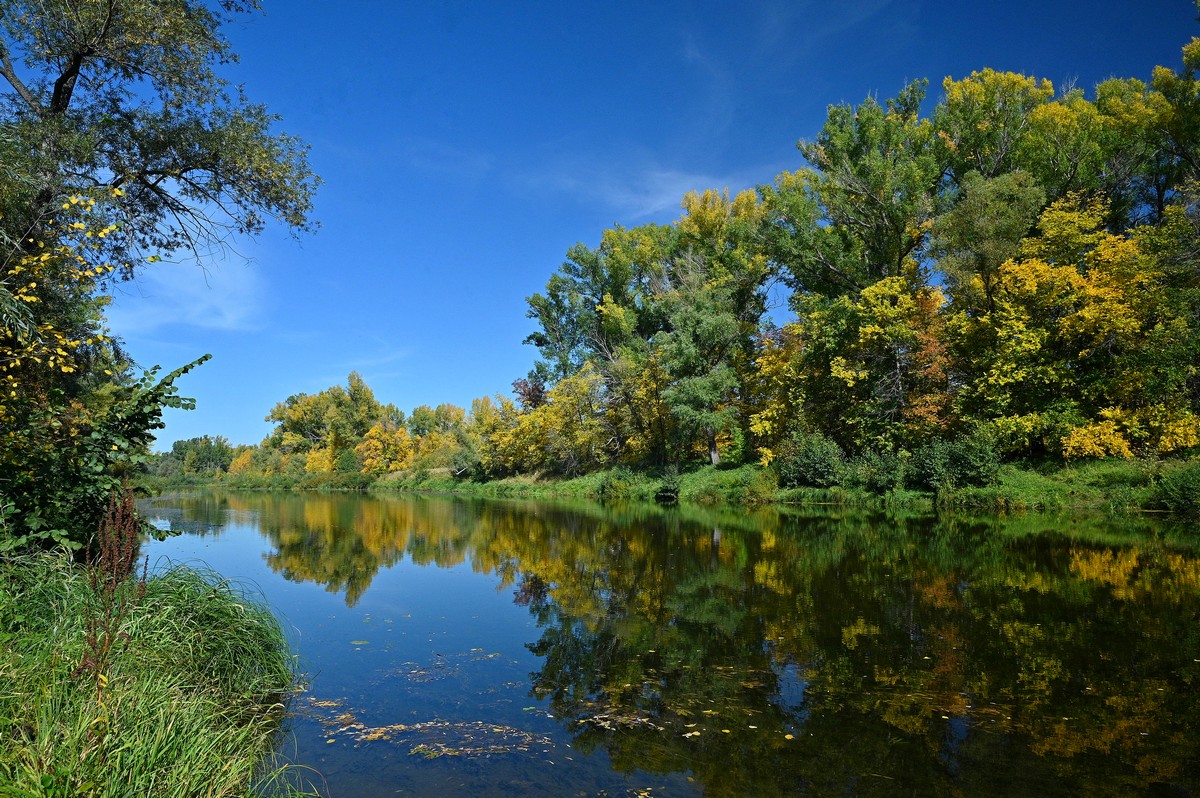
516,648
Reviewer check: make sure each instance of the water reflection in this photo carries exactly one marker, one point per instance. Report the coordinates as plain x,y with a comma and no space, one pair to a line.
818,653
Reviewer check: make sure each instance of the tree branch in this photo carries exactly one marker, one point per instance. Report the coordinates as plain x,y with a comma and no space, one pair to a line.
10,74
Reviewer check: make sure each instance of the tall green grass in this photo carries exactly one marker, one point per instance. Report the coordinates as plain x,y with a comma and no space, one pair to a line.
190,701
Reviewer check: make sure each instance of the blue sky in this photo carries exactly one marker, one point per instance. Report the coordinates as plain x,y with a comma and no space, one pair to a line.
466,146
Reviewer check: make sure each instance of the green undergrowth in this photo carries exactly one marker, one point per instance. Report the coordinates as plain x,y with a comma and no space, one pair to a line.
1110,485
178,688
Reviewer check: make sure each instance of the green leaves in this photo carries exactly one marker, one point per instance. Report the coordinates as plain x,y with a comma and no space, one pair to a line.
126,95
64,460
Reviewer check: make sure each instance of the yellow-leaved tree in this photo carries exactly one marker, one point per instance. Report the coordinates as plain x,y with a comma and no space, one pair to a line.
1080,354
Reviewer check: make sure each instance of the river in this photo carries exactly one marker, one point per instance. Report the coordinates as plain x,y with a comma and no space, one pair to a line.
458,647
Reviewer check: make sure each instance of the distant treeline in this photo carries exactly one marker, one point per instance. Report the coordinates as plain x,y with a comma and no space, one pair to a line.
1015,275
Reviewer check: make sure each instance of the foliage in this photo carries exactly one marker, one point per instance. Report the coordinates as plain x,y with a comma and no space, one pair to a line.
878,471
810,459
1010,275
120,145
969,460
1179,491
63,462
125,95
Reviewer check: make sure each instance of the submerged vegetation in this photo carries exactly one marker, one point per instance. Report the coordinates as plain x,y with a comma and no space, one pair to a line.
1011,281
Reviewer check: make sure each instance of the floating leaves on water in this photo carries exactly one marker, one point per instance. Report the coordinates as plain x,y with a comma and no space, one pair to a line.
435,738
443,665
612,721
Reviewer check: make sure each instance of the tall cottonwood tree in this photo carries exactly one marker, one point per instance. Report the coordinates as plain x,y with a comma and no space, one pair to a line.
126,94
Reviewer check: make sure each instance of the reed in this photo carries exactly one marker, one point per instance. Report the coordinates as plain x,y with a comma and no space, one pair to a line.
189,699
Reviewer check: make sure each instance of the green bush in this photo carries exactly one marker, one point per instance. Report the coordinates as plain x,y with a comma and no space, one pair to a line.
877,472
668,491
1179,491
810,459
748,484
615,484
970,460
57,481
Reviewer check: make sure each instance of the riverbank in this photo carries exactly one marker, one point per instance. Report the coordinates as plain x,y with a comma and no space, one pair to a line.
1111,485
172,685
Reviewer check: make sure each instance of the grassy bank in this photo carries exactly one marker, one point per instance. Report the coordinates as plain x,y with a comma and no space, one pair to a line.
1107,485
175,686
1110,485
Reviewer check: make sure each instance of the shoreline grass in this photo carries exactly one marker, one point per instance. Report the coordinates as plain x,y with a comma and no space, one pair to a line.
191,701
1107,485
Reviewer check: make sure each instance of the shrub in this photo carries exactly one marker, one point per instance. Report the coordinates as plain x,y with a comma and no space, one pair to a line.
615,484
1179,491
970,460
668,491
877,472
810,459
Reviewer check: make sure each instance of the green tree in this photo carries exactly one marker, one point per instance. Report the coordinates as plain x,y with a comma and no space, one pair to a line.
982,231
986,119
861,210
599,301
120,145
329,423
204,455
124,94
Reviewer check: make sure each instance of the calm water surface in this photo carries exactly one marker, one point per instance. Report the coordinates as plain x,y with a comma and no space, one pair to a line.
468,648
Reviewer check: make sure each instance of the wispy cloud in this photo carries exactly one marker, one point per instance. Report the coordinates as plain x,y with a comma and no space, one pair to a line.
632,193
223,297
820,24
717,107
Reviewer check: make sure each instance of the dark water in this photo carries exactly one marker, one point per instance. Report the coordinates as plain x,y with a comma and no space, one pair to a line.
511,649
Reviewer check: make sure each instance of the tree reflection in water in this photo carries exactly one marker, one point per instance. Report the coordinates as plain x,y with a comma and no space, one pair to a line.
819,653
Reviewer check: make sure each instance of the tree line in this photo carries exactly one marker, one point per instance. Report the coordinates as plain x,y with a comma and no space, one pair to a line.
1011,275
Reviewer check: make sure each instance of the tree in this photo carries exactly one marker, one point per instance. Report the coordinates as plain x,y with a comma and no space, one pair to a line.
330,422
599,300
385,448
204,455
874,371
1089,352
119,145
986,119
699,351
124,94
982,231
860,212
